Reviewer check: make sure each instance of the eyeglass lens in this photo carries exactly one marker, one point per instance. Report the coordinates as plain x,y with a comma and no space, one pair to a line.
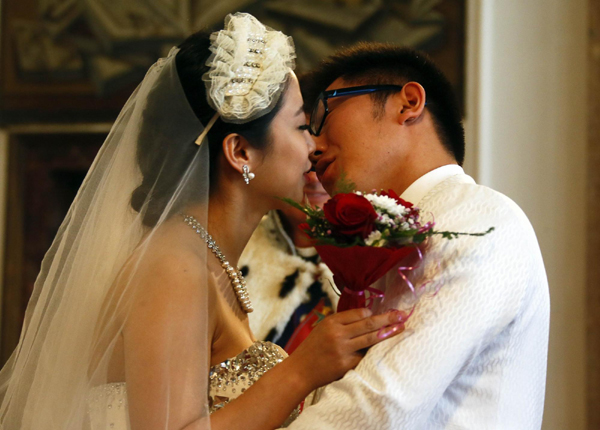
317,115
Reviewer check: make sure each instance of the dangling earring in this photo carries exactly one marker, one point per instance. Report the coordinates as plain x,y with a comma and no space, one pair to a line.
247,174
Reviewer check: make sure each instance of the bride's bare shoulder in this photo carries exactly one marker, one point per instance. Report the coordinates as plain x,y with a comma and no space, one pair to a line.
168,265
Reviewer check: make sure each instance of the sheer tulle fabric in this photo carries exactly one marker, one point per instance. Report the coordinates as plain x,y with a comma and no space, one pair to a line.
249,65
94,272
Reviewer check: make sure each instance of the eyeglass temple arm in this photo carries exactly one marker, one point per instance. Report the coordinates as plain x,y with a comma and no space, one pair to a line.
362,90
355,91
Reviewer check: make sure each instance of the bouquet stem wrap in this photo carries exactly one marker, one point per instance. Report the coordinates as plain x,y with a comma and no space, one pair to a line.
356,268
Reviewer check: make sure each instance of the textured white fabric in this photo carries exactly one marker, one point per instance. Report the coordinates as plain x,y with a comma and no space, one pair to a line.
477,357
418,189
270,260
249,65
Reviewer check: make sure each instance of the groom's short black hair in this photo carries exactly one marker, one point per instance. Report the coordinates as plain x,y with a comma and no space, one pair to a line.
377,63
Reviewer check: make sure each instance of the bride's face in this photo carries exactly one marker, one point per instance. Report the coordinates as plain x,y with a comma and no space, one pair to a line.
281,173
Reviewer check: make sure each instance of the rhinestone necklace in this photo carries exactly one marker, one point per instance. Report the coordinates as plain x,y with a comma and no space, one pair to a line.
235,276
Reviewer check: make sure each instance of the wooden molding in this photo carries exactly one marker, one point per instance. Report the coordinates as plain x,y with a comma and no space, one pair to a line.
12,293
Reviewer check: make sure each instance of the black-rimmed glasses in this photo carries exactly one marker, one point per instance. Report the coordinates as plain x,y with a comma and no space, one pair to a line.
321,109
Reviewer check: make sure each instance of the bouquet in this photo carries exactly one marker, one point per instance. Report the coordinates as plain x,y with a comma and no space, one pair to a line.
362,236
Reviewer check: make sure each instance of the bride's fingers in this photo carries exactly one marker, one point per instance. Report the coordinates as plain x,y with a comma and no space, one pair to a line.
374,323
351,316
370,339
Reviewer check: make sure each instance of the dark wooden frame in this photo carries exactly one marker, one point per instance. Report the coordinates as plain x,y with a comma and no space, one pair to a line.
12,293
31,220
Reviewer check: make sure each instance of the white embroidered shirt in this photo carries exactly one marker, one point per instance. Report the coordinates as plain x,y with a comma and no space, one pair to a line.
477,356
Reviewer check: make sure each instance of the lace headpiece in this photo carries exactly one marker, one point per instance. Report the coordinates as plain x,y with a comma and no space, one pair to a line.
248,67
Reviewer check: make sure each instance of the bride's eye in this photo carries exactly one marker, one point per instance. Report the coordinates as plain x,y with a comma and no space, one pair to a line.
303,127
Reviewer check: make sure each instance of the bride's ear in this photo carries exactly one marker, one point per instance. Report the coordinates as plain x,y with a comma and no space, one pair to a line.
411,103
238,152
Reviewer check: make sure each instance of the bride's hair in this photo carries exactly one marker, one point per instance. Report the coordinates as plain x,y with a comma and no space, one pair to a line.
160,156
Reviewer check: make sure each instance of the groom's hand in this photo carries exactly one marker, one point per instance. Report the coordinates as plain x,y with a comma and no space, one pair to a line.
337,344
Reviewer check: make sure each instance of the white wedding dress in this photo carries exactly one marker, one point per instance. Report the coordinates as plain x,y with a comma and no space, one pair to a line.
228,380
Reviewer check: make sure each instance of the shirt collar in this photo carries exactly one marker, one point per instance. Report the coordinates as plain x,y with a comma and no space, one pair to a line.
418,189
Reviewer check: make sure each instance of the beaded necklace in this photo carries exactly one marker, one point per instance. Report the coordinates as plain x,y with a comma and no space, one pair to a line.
235,275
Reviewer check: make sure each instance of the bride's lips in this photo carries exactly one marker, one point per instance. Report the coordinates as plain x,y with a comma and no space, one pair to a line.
316,193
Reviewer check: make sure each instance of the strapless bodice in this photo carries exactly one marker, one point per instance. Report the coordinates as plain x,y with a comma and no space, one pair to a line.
108,409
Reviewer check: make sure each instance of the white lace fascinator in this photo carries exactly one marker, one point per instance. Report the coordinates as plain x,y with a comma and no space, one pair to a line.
248,68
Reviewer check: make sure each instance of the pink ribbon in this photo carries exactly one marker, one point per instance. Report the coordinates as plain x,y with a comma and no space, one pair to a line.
375,294
412,288
401,271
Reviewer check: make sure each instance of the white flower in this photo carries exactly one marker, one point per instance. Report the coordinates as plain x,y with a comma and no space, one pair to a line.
383,219
387,204
373,237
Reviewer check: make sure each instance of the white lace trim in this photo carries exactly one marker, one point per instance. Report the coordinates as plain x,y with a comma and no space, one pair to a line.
249,65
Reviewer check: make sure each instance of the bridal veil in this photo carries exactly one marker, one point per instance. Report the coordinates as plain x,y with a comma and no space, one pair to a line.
148,171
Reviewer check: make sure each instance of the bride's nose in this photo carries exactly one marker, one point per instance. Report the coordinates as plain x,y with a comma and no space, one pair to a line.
310,141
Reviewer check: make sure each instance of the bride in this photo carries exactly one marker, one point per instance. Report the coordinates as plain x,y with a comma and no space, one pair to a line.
139,317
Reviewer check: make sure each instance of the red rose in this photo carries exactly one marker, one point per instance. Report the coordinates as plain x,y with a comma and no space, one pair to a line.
304,227
350,214
392,194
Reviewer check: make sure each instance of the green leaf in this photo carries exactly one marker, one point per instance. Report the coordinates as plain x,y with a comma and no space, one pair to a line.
295,204
455,234
344,185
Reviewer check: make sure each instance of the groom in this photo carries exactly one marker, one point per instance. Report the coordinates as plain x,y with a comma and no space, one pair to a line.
477,355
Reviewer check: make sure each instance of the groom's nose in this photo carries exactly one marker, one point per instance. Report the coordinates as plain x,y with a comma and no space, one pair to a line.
316,155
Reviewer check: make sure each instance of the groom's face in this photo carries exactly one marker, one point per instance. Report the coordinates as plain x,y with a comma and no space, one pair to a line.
354,141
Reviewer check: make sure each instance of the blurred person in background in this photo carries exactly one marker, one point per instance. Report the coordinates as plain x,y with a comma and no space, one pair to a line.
292,288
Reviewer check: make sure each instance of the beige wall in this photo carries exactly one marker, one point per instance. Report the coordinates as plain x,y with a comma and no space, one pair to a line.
527,122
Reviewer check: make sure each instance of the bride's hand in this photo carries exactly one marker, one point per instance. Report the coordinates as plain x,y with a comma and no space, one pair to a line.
333,347
336,343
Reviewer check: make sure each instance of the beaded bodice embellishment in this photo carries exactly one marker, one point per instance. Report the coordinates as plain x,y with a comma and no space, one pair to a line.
232,377
108,407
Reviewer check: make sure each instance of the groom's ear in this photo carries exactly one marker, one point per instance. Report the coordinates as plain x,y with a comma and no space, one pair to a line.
411,102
